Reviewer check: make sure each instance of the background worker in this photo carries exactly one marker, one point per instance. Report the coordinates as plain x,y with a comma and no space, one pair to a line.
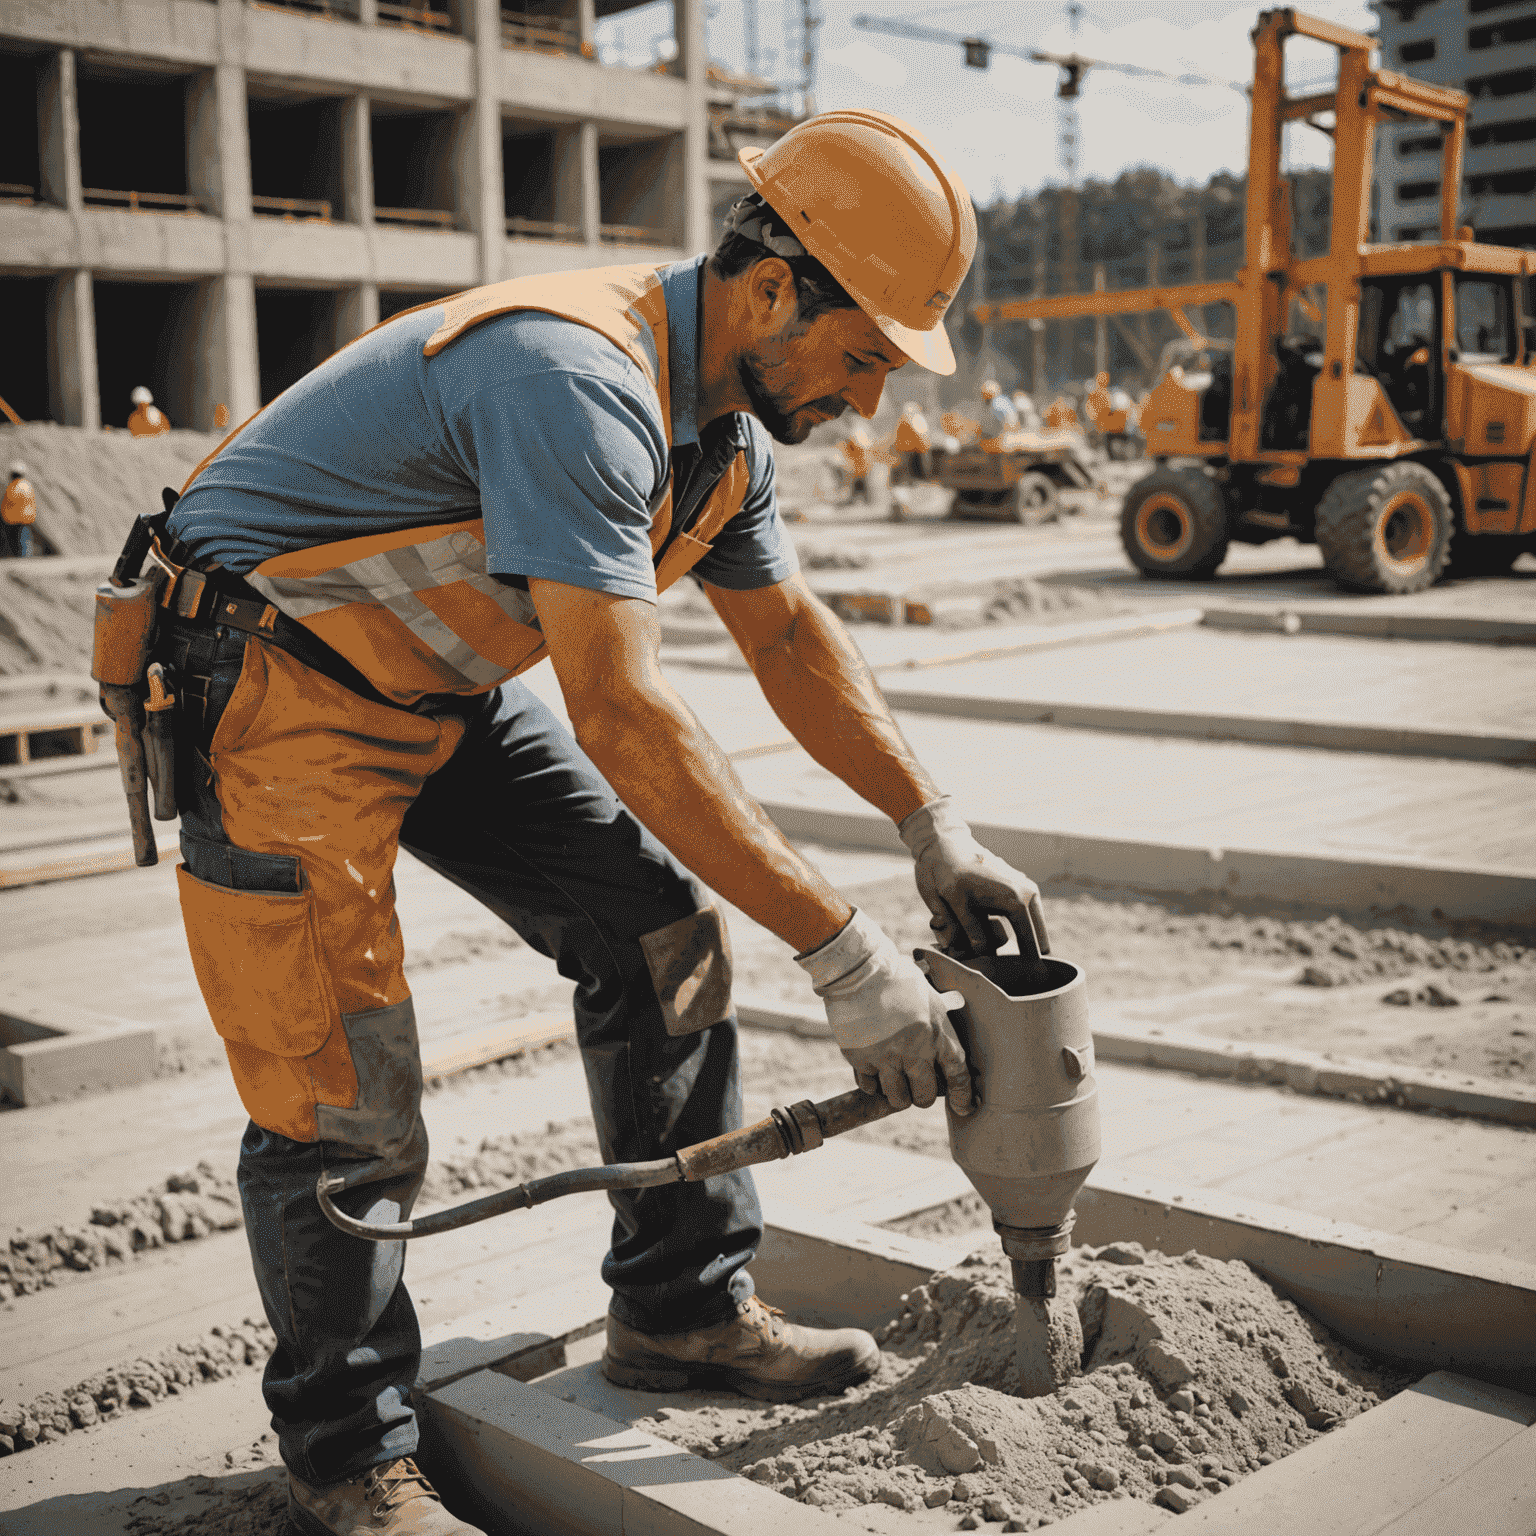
18,512
147,420
858,448
913,440
998,417
343,643
1024,409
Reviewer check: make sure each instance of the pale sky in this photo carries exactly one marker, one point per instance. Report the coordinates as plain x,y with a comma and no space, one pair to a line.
998,128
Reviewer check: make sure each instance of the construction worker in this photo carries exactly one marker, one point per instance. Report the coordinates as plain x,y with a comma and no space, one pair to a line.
858,448
913,440
147,420
1024,409
18,512
362,571
1060,415
999,417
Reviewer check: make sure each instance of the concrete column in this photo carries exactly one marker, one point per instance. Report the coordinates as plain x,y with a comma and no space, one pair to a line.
219,143
586,27
357,310
221,350
1037,327
74,396
58,123
591,185
693,62
1100,326
368,13
357,161
479,189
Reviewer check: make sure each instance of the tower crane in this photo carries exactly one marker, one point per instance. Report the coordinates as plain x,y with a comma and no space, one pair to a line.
977,52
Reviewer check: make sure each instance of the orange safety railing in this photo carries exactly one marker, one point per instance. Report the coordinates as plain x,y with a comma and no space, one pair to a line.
289,209
543,34
542,229
15,192
415,18
437,217
635,234
143,202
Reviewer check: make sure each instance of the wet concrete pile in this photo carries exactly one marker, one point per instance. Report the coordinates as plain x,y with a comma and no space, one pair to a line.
189,1205
136,1384
1196,1372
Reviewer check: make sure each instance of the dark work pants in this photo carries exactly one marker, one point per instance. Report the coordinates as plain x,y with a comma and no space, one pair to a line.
520,819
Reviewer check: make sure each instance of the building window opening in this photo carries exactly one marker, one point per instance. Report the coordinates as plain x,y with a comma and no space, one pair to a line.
541,179
1417,53
1503,184
146,334
640,187
327,10
295,331
1521,132
1509,82
395,301
1417,191
1420,144
133,141
24,301
20,164
1502,34
295,158
429,18
544,26
413,159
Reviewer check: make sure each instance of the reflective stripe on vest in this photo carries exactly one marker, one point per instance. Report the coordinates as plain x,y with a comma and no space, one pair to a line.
415,610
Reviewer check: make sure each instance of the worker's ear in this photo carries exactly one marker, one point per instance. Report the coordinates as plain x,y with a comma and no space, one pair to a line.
771,296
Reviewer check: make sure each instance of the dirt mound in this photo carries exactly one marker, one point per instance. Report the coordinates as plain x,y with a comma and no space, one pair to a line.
1196,1372
91,485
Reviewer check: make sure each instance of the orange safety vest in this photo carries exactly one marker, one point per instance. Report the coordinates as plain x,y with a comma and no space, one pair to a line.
415,610
18,507
912,435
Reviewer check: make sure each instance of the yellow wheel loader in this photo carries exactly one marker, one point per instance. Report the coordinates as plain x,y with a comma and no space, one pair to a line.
1379,400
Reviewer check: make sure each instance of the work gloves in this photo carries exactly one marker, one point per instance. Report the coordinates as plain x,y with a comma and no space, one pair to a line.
891,1025
963,883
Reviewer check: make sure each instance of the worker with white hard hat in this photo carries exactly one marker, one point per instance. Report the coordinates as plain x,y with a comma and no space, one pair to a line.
147,420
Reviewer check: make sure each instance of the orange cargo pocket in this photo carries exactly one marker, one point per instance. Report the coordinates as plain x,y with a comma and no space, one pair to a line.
257,959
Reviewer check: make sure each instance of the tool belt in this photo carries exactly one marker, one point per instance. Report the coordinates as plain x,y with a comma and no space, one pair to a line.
139,695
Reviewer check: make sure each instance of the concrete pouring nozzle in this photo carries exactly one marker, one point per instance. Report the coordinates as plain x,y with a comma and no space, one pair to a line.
1033,1140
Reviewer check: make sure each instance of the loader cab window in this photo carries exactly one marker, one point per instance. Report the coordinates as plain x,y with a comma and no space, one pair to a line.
1399,343
1485,320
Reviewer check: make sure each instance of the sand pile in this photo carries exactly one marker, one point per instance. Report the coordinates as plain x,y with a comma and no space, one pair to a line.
91,485
1196,1372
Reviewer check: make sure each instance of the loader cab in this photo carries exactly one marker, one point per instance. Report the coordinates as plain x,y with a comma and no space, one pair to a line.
1398,343
1486,323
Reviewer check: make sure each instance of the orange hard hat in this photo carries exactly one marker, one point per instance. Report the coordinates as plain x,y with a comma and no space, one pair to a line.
870,199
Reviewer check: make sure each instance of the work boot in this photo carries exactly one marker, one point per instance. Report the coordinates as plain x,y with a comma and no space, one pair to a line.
758,1352
389,1500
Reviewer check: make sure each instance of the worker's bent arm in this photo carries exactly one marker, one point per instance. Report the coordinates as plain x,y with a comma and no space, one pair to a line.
668,770
819,685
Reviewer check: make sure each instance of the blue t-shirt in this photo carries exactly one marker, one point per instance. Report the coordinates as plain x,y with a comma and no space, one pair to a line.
536,423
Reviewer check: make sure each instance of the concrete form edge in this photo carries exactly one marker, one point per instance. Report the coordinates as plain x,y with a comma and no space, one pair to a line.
1378,887
1275,1065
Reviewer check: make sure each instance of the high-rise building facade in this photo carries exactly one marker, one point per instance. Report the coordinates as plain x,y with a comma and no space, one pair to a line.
1488,49
207,197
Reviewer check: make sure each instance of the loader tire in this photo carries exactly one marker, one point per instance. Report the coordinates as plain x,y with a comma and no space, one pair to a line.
1173,523
1035,499
1385,529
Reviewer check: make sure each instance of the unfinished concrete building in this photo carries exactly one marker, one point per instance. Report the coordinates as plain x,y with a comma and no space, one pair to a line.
209,196
1486,48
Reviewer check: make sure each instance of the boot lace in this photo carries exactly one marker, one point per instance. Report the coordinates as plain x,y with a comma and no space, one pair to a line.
388,1487
768,1316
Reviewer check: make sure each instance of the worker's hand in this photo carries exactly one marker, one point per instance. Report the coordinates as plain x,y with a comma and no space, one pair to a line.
892,1026
963,883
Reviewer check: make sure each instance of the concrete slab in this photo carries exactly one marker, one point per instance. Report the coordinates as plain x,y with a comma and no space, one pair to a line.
50,1052
1495,1496
1380,1468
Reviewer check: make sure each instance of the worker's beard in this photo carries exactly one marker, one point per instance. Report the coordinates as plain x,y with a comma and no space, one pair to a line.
773,402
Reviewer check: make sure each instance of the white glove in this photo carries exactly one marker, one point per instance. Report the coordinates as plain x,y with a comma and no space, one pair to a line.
963,883
891,1025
